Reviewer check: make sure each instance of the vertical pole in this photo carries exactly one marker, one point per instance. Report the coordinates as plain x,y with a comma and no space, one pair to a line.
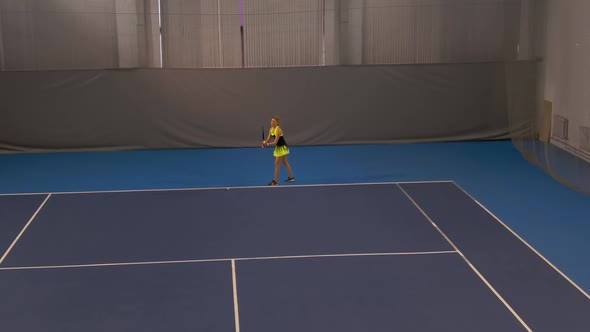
2,60
160,26
219,33
323,32
242,32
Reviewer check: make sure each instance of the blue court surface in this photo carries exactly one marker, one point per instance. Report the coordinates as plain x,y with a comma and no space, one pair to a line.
414,256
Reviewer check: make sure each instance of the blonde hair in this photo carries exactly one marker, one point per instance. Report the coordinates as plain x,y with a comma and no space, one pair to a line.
278,119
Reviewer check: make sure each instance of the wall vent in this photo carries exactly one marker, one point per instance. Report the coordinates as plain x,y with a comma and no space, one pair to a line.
560,127
585,139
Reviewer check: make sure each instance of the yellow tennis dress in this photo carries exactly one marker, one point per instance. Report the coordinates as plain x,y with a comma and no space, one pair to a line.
281,149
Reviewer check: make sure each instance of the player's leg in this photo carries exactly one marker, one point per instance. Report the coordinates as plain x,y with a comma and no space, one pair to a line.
288,167
277,170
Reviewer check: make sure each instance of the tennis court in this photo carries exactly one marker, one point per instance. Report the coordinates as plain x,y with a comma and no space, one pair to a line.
294,165
417,256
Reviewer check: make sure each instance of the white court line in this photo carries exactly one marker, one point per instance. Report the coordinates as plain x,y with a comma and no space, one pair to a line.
523,241
468,262
225,260
235,290
224,188
24,229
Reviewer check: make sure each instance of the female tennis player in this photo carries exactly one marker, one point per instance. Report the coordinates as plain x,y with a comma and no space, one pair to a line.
276,138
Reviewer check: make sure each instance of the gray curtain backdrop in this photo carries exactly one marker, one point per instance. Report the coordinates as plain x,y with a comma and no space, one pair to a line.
167,108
